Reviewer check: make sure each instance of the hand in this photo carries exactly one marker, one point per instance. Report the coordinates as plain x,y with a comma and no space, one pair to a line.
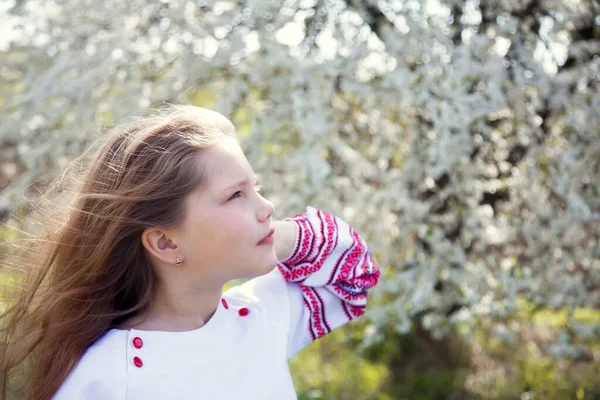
284,238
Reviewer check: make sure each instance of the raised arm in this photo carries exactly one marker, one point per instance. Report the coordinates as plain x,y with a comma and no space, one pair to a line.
329,271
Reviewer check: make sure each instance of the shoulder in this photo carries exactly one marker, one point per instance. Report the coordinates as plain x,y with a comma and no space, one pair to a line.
101,371
268,292
254,290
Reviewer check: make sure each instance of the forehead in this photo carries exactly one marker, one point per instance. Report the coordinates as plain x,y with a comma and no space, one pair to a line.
225,163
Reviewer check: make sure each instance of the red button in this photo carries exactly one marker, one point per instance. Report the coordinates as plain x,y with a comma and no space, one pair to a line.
138,362
137,342
224,303
243,311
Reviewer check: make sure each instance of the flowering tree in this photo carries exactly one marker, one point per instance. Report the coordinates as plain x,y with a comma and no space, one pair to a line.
460,136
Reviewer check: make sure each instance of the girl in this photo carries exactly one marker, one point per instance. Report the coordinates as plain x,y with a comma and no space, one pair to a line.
128,302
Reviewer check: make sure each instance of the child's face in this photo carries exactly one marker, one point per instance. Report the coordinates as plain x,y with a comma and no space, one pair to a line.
223,224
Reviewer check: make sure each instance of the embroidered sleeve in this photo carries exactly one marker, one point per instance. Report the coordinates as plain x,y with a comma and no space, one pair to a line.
328,276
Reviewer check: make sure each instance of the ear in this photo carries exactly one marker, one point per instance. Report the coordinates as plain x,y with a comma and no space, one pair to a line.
160,245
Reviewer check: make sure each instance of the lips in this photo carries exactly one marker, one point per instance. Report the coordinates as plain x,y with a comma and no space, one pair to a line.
268,235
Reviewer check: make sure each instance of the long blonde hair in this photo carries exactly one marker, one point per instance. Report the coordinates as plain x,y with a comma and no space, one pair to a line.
89,273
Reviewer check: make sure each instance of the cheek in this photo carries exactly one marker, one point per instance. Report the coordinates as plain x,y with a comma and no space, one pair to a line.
229,229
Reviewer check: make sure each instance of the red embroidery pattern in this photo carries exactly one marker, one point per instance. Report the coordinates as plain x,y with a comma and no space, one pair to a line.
345,309
316,321
325,221
352,312
305,243
323,314
310,328
349,260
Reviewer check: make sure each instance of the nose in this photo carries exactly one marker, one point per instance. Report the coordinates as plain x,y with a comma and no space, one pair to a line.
265,210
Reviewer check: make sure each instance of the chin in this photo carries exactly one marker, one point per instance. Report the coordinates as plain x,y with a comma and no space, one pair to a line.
270,265
261,266
267,267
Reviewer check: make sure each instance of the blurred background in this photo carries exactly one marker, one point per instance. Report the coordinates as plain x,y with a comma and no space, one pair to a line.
461,138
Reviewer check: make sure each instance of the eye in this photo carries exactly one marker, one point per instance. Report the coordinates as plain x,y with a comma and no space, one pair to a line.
234,196
257,187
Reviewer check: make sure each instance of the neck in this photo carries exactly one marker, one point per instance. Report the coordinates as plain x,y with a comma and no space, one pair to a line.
178,308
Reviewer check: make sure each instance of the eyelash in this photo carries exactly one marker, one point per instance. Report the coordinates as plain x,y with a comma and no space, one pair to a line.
256,187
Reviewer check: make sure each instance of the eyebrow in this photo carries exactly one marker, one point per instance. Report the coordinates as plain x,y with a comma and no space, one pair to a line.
241,183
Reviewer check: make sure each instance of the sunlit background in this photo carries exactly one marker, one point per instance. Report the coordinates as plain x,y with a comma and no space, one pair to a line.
461,138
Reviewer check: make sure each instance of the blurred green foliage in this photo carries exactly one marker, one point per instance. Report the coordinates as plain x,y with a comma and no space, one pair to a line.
419,367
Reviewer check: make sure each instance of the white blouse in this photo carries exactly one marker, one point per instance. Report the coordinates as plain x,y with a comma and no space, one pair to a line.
242,352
